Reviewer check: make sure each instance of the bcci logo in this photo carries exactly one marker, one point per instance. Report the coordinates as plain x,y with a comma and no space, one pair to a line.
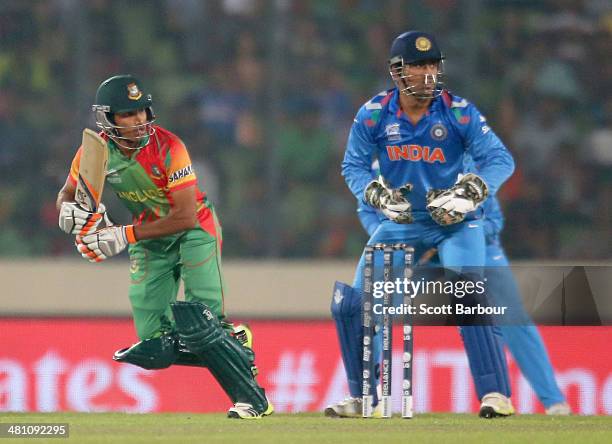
438,132
393,132
134,92
423,44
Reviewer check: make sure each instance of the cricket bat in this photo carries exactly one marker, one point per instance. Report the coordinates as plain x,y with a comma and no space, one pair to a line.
92,170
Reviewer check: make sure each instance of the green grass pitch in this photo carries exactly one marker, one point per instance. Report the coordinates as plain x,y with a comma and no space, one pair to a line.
314,428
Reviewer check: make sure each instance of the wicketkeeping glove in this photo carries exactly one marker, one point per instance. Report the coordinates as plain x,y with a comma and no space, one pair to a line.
73,219
450,206
106,242
392,202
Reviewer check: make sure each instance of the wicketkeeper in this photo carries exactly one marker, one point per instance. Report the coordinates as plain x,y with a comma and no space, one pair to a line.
174,235
421,134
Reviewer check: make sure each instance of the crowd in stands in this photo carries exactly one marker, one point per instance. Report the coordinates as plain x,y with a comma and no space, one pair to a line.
264,92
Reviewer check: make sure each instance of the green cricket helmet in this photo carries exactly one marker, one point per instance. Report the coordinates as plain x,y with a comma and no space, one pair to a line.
120,94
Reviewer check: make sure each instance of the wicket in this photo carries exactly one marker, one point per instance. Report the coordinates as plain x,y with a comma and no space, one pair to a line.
368,385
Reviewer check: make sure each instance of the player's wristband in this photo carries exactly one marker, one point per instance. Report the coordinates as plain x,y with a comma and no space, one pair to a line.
130,235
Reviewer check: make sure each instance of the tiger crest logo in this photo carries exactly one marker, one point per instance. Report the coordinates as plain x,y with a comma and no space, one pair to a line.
134,265
134,92
155,172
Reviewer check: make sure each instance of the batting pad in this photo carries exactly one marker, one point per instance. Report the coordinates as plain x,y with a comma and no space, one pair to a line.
200,331
152,354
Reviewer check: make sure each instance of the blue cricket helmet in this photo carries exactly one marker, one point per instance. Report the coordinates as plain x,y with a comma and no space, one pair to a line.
414,47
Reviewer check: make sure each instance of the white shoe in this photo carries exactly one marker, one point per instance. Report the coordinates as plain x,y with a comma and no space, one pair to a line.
494,405
243,410
347,408
350,408
559,409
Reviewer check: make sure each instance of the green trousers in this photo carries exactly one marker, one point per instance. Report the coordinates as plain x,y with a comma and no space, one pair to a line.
156,267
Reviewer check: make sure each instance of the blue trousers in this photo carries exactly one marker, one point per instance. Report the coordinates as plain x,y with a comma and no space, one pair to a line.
523,341
459,246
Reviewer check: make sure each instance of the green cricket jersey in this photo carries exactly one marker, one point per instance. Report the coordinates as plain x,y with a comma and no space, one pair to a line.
145,182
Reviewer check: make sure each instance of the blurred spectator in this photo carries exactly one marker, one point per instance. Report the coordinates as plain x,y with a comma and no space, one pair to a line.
540,133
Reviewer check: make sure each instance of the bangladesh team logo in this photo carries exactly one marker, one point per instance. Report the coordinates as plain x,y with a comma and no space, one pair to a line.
134,92
438,132
155,172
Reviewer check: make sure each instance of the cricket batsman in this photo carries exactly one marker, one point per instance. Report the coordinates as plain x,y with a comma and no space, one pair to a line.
421,133
174,235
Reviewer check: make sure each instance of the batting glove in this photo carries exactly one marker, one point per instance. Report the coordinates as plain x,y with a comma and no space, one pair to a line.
73,219
450,206
106,242
84,251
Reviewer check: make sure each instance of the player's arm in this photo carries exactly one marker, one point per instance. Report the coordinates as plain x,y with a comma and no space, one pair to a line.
495,163
495,166
72,218
182,216
66,194
357,172
357,162
181,184
368,217
111,241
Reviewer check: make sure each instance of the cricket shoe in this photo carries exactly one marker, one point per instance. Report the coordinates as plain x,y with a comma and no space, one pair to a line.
495,405
244,335
243,410
350,408
559,409
347,408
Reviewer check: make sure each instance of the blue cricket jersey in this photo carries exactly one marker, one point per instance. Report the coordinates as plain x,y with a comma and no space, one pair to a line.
369,217
429,154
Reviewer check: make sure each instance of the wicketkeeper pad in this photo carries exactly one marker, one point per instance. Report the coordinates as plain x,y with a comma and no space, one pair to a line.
483,345
199,329
346,311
